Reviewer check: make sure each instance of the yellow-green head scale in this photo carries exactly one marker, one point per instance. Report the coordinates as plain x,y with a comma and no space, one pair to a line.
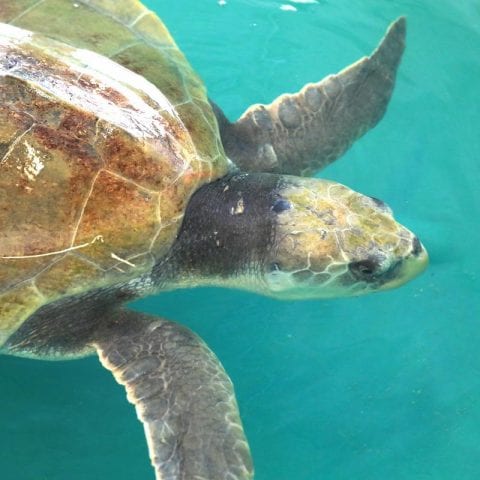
332,241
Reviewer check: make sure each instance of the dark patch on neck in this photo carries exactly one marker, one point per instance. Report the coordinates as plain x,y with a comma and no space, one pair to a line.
228,228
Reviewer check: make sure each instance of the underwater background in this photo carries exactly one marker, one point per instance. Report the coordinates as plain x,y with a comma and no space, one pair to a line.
384,386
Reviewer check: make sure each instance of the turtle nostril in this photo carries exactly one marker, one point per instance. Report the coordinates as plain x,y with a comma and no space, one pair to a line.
364,269
381,205
378,202
417,248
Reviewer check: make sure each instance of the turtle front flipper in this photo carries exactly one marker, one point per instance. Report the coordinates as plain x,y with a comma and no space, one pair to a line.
302,133
182,395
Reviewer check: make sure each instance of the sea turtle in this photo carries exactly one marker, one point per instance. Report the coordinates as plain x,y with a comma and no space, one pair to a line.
114,184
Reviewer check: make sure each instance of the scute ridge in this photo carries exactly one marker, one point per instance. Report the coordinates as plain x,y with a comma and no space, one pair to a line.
25,12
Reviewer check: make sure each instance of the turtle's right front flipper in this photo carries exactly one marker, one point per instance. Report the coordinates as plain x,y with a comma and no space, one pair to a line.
302,133
182,395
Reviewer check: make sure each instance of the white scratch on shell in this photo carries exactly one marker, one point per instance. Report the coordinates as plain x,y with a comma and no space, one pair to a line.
36,164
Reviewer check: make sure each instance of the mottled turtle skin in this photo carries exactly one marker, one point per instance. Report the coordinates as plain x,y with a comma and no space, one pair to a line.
114,184
121,176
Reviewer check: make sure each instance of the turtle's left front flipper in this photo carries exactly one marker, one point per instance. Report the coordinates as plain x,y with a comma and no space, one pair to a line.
302,133
182,395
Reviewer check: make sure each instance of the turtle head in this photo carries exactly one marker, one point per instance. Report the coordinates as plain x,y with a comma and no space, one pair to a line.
331,241
291,238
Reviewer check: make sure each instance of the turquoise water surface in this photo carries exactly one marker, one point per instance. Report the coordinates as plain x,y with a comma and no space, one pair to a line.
385,386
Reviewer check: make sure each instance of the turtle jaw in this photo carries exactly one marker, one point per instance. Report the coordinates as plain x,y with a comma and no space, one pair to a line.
286,286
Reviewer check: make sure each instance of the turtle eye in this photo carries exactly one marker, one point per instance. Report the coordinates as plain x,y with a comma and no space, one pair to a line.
281,205
364,269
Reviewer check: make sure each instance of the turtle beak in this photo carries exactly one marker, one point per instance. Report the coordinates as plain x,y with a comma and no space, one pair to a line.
418,260
410,267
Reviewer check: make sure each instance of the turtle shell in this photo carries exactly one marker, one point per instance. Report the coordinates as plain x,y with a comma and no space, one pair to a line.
97,162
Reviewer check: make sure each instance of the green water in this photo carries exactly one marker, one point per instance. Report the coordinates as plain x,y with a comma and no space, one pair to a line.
386,386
